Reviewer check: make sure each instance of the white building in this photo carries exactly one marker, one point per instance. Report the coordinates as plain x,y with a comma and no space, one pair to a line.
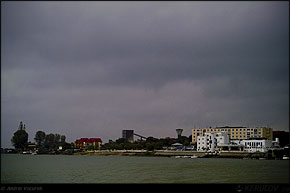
223,138
211,141
276,143
257,145
207,142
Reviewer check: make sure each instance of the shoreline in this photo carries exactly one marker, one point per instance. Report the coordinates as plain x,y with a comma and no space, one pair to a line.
240,155
225,154
177,154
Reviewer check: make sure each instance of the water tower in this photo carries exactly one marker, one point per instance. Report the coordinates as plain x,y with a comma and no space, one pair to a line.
179,131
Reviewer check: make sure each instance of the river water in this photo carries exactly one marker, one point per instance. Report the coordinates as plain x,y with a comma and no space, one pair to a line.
16,168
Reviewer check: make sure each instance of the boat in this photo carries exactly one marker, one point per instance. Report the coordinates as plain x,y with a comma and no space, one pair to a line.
216,153
194,156
285,157
178,156
26,152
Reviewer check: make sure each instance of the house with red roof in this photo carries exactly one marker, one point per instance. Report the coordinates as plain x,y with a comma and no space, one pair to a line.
83,143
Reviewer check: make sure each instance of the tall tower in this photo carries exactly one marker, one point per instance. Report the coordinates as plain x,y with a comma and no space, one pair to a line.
179,131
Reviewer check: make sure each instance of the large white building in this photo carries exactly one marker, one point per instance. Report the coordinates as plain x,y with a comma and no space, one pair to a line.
207,142
223,138
214,141
236,133
210,141
256,145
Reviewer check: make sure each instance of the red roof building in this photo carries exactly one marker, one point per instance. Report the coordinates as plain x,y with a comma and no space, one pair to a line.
83,143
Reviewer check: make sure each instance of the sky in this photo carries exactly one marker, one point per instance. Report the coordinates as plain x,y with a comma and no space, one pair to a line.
92,69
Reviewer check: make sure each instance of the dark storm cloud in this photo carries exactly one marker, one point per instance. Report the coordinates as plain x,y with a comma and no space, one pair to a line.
110,65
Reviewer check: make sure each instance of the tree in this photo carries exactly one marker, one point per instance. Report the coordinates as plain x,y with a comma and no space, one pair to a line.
50,141
184,140
149,146
40,138
67,146
90,147
56,139
190,138
62,139
121,140
19,139
151,139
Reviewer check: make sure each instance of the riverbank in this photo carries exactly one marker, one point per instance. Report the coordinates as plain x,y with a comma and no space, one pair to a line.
196,154
169,153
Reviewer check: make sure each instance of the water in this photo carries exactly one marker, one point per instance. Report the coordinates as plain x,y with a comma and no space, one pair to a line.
129,169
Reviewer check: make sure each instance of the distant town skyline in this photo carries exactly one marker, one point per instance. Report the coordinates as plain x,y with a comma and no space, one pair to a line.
92,69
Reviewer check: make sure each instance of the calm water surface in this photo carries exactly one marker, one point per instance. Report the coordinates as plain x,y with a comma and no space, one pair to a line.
126,169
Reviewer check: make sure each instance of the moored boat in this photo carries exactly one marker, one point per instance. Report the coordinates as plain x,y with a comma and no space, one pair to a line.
285,157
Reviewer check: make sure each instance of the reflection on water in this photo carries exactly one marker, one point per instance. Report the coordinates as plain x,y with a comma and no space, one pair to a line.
129,169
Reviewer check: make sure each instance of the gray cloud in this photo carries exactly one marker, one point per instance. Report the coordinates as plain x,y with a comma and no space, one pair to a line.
93,68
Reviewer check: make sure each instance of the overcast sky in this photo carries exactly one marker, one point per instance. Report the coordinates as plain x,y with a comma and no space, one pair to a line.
91,69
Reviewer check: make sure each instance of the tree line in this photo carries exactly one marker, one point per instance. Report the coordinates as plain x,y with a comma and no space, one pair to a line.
149,144
48,142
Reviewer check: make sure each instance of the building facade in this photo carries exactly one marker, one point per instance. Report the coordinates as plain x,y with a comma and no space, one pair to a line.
128,135
207,142
235,133
223,138
210,141
257,145
83,143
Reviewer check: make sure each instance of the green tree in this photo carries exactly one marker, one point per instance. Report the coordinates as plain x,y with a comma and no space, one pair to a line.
40,138
67,146
190,138
149,146
62,139
56,139
184,140
121,140
90,147
50,141
151,139
19,139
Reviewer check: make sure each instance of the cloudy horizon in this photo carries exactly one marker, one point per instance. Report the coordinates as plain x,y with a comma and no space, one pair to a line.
91,69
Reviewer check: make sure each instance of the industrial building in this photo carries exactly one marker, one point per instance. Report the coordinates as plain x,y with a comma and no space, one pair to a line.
128,135
235,133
